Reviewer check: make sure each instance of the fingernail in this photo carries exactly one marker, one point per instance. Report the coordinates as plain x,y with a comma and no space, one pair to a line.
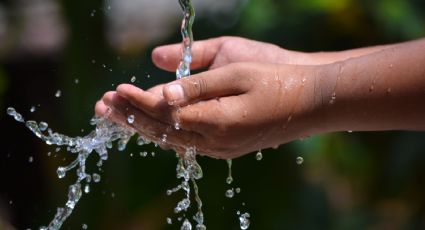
176,92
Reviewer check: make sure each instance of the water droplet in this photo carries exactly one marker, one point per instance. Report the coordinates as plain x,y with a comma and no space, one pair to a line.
153,154
164,139
30,159
43,126
130,119
10,202
299,160
259,156
17,116
76,81
96,177
169,220
93,13
11,111
350,131
177,125
58,93
230,193
32,110
244,221
143,154
186,225
229,180
133,79
87,188
238,190
84,226
61,171
149,76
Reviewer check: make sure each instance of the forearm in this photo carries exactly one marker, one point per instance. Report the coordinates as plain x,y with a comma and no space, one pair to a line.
384,90
321,58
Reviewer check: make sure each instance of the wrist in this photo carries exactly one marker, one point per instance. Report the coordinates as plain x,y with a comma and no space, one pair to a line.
302,106
316,101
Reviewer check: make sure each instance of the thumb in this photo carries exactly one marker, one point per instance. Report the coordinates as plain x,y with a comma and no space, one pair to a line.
210,84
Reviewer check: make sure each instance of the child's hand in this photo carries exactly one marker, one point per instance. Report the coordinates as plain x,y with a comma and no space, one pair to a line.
240,108
217,52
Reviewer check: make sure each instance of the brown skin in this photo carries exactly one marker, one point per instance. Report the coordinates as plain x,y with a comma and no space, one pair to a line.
257,95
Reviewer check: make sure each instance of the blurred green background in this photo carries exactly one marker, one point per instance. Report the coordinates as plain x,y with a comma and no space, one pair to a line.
371,180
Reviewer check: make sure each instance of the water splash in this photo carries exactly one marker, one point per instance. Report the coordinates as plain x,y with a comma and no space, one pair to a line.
98,141
188,170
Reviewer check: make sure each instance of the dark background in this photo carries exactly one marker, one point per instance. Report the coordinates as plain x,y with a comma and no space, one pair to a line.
372,180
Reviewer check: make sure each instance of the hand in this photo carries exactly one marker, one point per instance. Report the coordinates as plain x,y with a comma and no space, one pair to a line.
225,112
217,52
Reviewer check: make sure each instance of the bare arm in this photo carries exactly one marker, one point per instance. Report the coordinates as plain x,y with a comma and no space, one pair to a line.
321,58
216,52
237,108
381,91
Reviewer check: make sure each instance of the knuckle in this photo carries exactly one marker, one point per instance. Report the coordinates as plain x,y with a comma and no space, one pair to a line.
198,88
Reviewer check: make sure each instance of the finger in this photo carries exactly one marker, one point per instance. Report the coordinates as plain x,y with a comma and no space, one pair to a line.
203,53
101,109
148,126
157,90
215,83
150,103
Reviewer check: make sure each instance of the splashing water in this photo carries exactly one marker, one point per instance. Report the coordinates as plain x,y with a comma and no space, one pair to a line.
98,141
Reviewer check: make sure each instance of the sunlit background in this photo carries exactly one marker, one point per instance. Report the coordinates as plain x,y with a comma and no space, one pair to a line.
373,180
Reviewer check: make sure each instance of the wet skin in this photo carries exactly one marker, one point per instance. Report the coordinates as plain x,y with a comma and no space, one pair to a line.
256,95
